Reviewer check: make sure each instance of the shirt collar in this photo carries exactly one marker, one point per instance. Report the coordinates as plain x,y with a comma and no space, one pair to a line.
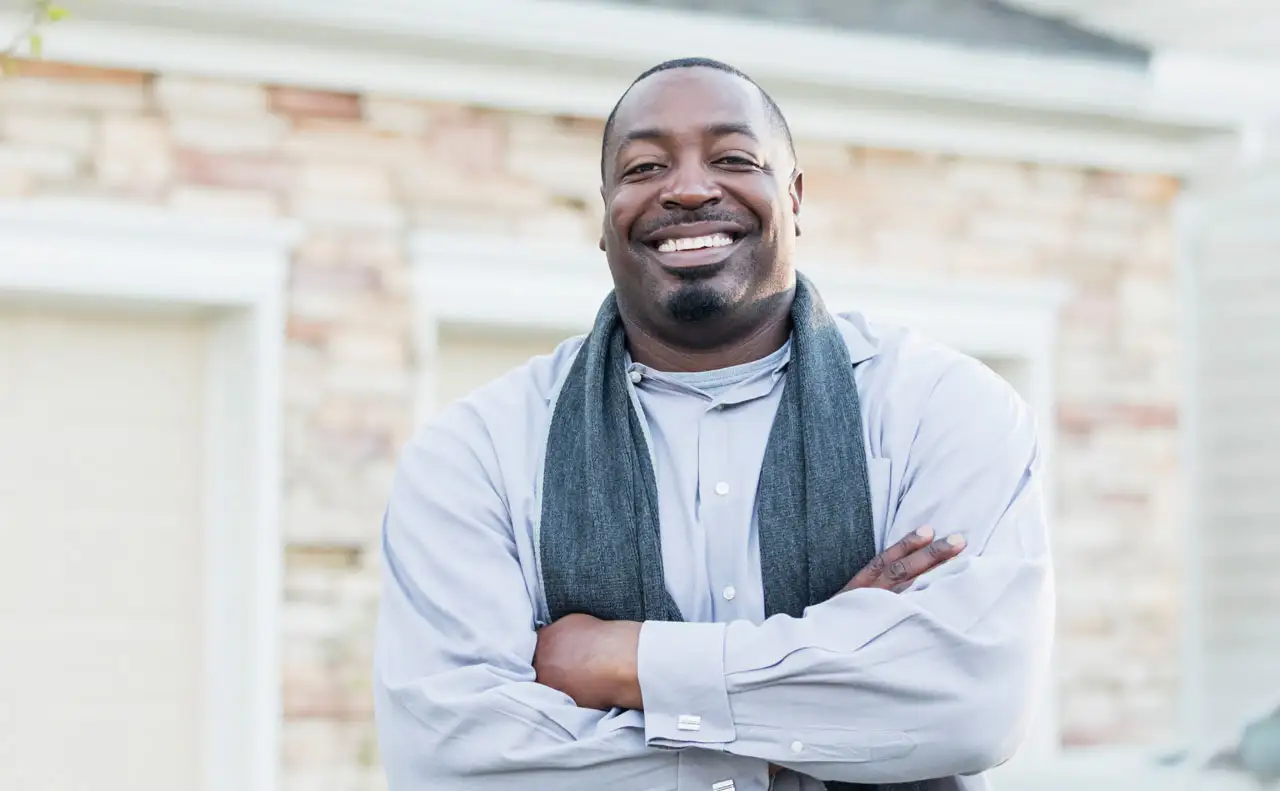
859,338
740,383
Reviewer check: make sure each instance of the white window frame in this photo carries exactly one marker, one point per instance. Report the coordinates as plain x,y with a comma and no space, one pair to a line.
463,280
137,258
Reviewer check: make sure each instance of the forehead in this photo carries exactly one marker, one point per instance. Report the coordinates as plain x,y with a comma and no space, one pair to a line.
691,99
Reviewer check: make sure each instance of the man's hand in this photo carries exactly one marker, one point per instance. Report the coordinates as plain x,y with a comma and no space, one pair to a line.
591,661
898,566
594,661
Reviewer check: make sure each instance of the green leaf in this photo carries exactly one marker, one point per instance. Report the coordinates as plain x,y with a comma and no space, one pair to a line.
35,42
56,13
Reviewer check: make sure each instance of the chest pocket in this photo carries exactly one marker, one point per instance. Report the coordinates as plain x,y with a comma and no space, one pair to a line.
883,497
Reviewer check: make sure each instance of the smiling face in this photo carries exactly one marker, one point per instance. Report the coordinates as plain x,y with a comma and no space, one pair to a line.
701,195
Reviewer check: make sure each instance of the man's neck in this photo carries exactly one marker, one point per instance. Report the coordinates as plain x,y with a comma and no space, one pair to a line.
760,340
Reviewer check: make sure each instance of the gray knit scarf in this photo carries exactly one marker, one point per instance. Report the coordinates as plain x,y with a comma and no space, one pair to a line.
599,538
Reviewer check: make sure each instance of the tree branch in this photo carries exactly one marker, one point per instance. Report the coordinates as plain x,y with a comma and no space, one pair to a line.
39,14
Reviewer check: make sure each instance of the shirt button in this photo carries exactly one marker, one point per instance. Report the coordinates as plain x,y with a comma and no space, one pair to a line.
797,747
635,376
729,592
722,488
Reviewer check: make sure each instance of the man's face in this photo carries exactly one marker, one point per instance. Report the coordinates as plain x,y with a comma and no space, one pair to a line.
701,195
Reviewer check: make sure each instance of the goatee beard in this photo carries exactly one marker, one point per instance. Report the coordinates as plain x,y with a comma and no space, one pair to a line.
696,303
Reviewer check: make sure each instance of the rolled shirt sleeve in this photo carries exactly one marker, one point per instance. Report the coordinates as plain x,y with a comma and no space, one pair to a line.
877,687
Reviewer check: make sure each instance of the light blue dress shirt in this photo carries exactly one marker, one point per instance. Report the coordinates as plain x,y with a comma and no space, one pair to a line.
939,681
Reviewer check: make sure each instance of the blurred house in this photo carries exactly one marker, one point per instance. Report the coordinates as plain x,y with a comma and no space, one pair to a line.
246,246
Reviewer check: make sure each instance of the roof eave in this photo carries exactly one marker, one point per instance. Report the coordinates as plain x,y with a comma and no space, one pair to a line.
534,56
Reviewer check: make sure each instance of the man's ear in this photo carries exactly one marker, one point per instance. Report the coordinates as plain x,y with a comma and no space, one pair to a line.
796,191
604,218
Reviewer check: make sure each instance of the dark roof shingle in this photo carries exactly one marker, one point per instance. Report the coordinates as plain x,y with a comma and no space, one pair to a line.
985,24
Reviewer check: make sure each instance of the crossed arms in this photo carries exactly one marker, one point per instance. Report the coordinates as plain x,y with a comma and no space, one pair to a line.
872,686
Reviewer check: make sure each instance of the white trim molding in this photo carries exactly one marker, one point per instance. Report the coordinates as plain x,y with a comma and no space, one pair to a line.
112,250
136,258
1189,221
548,57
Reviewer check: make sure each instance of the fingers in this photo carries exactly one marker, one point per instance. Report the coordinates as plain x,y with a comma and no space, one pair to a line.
899,565
901,574
876,568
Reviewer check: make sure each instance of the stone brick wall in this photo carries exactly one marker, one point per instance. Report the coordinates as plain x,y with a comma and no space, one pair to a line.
360,171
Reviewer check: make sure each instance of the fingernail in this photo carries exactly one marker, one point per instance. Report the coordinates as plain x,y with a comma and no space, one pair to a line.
924,532
955,540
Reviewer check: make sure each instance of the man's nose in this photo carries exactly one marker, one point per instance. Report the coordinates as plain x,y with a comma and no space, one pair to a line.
690,188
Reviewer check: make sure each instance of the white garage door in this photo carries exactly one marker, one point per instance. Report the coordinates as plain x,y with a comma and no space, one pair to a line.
469,358
100,581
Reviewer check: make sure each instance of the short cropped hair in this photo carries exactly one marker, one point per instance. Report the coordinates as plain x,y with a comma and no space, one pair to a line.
776,117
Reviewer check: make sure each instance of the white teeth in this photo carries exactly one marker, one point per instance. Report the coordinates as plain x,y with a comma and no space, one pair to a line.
695,243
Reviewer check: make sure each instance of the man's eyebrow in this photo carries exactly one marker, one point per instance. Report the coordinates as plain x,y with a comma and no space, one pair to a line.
715,130
646,133
725,130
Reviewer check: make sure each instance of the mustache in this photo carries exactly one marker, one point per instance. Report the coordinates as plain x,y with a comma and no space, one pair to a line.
686,216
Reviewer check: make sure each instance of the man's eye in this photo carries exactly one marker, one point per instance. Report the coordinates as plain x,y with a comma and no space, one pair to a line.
643,167
737,161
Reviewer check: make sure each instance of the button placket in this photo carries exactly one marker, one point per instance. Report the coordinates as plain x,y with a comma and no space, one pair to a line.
718,513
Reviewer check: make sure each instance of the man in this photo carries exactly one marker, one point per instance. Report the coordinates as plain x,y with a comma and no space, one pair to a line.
648,561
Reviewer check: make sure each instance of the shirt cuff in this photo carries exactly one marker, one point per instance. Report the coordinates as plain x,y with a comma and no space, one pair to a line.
681,673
